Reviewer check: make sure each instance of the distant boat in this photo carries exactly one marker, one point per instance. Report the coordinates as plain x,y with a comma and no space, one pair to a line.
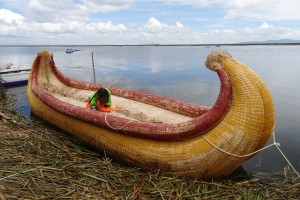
72,50
11,76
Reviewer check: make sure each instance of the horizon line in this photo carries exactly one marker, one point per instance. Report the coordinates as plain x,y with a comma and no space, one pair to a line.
209,44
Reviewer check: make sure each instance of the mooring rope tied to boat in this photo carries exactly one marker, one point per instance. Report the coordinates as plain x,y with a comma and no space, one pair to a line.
2,80
274,143
247,155
235,155
105,116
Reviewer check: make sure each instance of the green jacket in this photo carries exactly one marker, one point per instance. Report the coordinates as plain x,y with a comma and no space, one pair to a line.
93,98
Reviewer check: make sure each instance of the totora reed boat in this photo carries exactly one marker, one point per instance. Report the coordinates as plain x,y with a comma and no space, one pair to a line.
155,132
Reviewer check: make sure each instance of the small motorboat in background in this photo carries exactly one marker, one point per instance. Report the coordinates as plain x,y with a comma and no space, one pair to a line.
72,50
11,76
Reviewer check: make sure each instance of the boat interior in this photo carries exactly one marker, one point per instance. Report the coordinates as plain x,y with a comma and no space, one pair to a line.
122,107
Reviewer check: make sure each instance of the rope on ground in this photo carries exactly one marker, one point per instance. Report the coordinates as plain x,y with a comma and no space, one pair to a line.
28,170
247,155
2,80
105,116
285,156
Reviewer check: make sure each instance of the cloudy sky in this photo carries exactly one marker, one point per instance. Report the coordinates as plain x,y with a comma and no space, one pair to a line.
40,22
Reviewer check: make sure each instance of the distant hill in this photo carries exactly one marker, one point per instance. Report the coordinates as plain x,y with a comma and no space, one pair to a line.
281,41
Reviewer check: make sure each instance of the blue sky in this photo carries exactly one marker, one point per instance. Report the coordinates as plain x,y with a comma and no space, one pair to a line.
39,22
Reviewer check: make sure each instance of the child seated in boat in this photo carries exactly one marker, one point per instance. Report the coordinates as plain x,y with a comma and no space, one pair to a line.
101,100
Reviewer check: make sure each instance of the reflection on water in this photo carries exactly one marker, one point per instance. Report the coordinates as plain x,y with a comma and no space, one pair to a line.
21,101
179,72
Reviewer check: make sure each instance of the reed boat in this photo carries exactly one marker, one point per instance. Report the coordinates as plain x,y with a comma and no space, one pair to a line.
155,132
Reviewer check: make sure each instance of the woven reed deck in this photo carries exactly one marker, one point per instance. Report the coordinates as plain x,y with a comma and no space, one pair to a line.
122,107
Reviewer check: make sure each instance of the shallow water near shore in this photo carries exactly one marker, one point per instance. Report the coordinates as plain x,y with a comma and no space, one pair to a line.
179,72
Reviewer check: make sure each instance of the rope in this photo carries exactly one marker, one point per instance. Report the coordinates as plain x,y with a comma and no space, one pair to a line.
235,155
28,170
239,156
2,80
247,155
105,116
288,161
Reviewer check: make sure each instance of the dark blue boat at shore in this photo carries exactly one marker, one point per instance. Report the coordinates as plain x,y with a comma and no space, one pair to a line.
13,76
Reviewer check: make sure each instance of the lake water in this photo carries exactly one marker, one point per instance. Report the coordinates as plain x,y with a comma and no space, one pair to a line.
179,72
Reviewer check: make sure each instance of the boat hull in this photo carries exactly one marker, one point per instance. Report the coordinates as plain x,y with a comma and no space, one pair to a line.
14,78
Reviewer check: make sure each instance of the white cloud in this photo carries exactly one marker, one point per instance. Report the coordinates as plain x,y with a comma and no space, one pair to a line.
9,16
105,27
153,25
265,26
57,31
270,10
262,32
71,21
153,31
10,22
156,32
179,25
105,6
198,3
56,11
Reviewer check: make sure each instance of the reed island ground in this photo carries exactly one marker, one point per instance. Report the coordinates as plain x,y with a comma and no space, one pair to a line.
39,161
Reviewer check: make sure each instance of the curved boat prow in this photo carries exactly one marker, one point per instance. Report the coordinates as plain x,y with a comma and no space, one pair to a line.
257,91
179,138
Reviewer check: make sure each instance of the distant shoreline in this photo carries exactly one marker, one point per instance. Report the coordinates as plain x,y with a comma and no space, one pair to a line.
216,45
